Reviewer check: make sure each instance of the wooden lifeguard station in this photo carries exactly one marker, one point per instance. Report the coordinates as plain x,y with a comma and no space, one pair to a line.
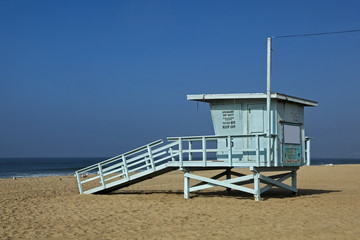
264,132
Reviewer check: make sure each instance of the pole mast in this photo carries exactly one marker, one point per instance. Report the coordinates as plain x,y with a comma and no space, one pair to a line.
268,100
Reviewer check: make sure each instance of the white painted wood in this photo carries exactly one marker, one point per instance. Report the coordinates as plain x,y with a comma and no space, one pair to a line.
276,183
232,180
220,183
267,187
257,186
186,187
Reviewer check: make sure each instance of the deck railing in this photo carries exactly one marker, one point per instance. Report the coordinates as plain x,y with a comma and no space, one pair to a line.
179,152
205,145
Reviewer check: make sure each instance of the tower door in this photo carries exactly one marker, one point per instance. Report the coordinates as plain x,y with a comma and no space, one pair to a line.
255,124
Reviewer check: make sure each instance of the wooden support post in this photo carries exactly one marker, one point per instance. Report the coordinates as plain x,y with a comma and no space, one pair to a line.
268,153
294,181
228,176
276,155
101,176
79,182
186,186
257,188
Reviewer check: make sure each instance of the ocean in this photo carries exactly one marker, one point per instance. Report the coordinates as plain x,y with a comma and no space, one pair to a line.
41,167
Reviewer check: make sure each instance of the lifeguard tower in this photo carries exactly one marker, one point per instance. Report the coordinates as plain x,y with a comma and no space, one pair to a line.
261,131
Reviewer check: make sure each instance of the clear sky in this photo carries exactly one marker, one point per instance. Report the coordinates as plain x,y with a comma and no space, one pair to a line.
97,78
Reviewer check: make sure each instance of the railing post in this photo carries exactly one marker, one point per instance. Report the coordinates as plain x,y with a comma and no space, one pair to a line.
151,157
125,167
230,150
204,150
268,151
180,153
276,150
190,147
257,151
79,182
101,176
308,162
171,154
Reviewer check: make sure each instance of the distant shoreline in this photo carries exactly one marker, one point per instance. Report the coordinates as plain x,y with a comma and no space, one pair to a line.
47,167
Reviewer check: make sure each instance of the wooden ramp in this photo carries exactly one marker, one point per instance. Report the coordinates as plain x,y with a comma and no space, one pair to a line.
133,179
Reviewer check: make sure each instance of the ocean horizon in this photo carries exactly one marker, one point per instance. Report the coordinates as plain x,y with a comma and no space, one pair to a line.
42,166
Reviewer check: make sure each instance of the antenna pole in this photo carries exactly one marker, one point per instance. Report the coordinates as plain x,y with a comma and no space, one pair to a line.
268,99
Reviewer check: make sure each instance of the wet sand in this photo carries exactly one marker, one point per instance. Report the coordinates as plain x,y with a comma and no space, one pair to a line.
327,207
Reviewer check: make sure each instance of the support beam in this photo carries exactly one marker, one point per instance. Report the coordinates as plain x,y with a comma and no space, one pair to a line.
276,183
214,177
282,178
240,180
238,183
257,190
225,183
228,177
294,181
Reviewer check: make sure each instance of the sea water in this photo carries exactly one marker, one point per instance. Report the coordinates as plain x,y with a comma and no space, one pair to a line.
38,167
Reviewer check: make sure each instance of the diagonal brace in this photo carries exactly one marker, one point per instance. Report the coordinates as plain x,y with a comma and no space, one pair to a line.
225,183
214,177
277,183
281,179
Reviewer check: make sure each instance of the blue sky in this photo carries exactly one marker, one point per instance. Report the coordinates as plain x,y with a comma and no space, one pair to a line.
97,78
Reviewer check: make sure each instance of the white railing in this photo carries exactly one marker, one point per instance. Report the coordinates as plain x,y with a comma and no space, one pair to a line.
123,166
188,147
197,151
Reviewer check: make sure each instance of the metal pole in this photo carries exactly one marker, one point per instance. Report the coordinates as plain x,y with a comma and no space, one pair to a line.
268,99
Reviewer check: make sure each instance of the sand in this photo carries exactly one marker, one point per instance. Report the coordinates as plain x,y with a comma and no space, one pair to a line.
327,207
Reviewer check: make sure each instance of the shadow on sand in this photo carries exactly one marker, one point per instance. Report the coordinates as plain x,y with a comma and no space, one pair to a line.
272,193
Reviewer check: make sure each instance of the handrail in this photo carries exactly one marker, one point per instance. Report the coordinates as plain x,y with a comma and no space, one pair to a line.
118,157
216,136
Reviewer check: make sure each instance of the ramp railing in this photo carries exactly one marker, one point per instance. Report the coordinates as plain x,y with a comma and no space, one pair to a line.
124,167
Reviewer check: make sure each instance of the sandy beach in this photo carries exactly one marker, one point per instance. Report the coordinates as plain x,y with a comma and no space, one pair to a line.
327,207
